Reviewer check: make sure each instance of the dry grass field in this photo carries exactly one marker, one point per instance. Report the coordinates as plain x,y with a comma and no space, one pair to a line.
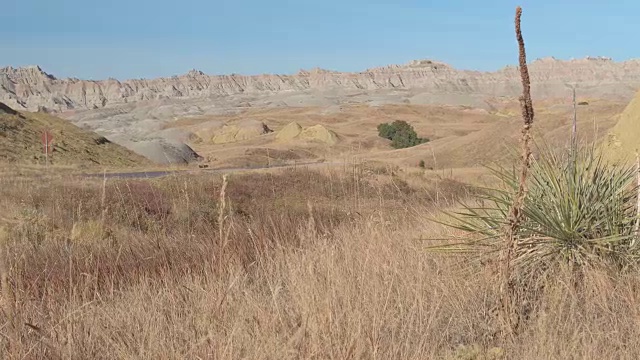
329,261
382,254
298,264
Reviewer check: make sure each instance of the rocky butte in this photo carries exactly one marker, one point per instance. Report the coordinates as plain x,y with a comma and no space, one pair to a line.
30,88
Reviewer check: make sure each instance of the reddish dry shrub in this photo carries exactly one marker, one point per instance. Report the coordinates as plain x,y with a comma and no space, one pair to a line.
137,203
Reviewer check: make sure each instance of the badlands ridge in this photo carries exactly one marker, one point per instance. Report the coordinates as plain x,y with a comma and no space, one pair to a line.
144,115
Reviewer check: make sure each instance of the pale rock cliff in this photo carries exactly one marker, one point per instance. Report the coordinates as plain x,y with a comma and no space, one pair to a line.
33,89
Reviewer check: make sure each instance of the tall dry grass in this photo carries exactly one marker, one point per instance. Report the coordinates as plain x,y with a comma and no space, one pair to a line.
343,278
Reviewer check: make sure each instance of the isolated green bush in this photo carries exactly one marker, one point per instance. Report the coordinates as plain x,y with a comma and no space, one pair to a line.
401,134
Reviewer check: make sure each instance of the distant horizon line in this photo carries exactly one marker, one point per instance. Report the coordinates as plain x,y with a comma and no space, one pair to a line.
416,62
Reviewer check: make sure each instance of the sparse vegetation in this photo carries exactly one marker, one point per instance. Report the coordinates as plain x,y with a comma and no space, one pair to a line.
401,134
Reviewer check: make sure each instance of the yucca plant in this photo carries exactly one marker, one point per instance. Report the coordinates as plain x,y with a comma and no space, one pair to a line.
578,210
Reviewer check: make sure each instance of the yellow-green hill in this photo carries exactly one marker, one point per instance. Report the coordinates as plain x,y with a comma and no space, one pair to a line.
21,134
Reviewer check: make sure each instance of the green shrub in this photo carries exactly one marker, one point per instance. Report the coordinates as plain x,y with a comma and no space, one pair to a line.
386,131
401,134
577,212
422,164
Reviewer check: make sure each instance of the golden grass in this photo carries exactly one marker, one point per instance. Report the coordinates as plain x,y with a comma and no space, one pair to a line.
346,278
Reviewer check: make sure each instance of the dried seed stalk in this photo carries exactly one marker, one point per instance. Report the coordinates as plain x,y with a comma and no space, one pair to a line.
507,290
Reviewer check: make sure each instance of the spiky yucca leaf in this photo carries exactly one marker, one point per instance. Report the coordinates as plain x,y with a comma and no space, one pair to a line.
577,211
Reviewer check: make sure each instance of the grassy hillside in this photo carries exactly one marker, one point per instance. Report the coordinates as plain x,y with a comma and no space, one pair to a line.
20,142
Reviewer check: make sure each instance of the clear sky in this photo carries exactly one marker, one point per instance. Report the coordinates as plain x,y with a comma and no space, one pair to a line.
149,38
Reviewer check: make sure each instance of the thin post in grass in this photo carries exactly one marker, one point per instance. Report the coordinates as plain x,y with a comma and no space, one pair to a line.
636,227
573,145
515,213
103,200
574,128
221,217
311,222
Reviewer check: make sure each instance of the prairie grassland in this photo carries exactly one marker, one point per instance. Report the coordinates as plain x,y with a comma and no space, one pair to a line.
309,264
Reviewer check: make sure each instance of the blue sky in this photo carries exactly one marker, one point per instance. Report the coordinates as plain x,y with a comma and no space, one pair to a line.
145,39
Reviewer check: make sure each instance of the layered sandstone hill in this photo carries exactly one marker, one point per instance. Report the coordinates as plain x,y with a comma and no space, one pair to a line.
33,89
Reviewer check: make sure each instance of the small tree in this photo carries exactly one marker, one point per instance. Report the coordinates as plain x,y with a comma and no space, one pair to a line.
386,131
401,134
